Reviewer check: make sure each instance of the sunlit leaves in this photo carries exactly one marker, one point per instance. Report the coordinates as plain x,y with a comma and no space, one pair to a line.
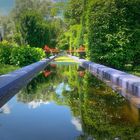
112,37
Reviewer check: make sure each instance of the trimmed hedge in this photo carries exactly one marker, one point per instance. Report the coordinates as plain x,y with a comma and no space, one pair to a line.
5,52
20,56
23,56
113,32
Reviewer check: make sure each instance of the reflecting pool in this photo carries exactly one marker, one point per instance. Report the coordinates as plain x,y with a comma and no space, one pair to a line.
65,102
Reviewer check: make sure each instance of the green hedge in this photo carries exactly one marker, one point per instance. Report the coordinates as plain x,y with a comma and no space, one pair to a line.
20,56
23,56
5,52
113,32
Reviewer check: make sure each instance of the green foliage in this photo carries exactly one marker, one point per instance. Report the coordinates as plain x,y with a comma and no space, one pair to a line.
75,31
113,35
20,56
38,23
5,52
8,26
34,29
73,12
18,38
56,29
110,29
63,43
71,38
34,22
42,6
75,18
23,56
136,71
7,68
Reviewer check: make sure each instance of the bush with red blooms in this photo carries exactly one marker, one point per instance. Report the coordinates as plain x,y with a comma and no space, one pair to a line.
81,49
47,73
53,65
81,73
47,49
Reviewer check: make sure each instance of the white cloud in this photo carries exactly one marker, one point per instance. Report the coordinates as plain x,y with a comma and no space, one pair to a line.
5,109
77,123
36,104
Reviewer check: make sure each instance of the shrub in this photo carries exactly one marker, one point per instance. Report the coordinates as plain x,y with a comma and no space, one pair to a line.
34,29
5,52
20,56
23,56
113,32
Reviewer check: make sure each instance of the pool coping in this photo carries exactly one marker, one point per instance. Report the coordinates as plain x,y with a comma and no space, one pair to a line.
126,84
13,82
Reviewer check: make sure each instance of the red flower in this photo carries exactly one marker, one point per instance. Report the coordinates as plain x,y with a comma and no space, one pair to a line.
47,73
47,49
53,65
81,73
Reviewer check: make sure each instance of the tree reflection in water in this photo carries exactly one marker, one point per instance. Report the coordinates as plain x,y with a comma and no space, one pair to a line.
99,112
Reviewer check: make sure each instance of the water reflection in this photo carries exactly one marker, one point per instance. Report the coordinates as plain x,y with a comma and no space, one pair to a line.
62,87
77,123
97,112
36,104
5,109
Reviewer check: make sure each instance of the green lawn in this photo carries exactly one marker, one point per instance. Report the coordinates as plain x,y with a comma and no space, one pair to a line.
64,59
136,71
7,68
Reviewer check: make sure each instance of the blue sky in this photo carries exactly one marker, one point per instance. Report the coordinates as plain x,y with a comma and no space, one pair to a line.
6,6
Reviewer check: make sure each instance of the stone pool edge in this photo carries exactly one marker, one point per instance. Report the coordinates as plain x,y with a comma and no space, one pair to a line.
13,82
126,84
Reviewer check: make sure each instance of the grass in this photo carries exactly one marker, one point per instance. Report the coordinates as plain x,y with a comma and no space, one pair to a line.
64,59
7,68
136,71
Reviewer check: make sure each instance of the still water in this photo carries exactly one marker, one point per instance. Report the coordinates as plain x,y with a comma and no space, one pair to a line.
65,102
